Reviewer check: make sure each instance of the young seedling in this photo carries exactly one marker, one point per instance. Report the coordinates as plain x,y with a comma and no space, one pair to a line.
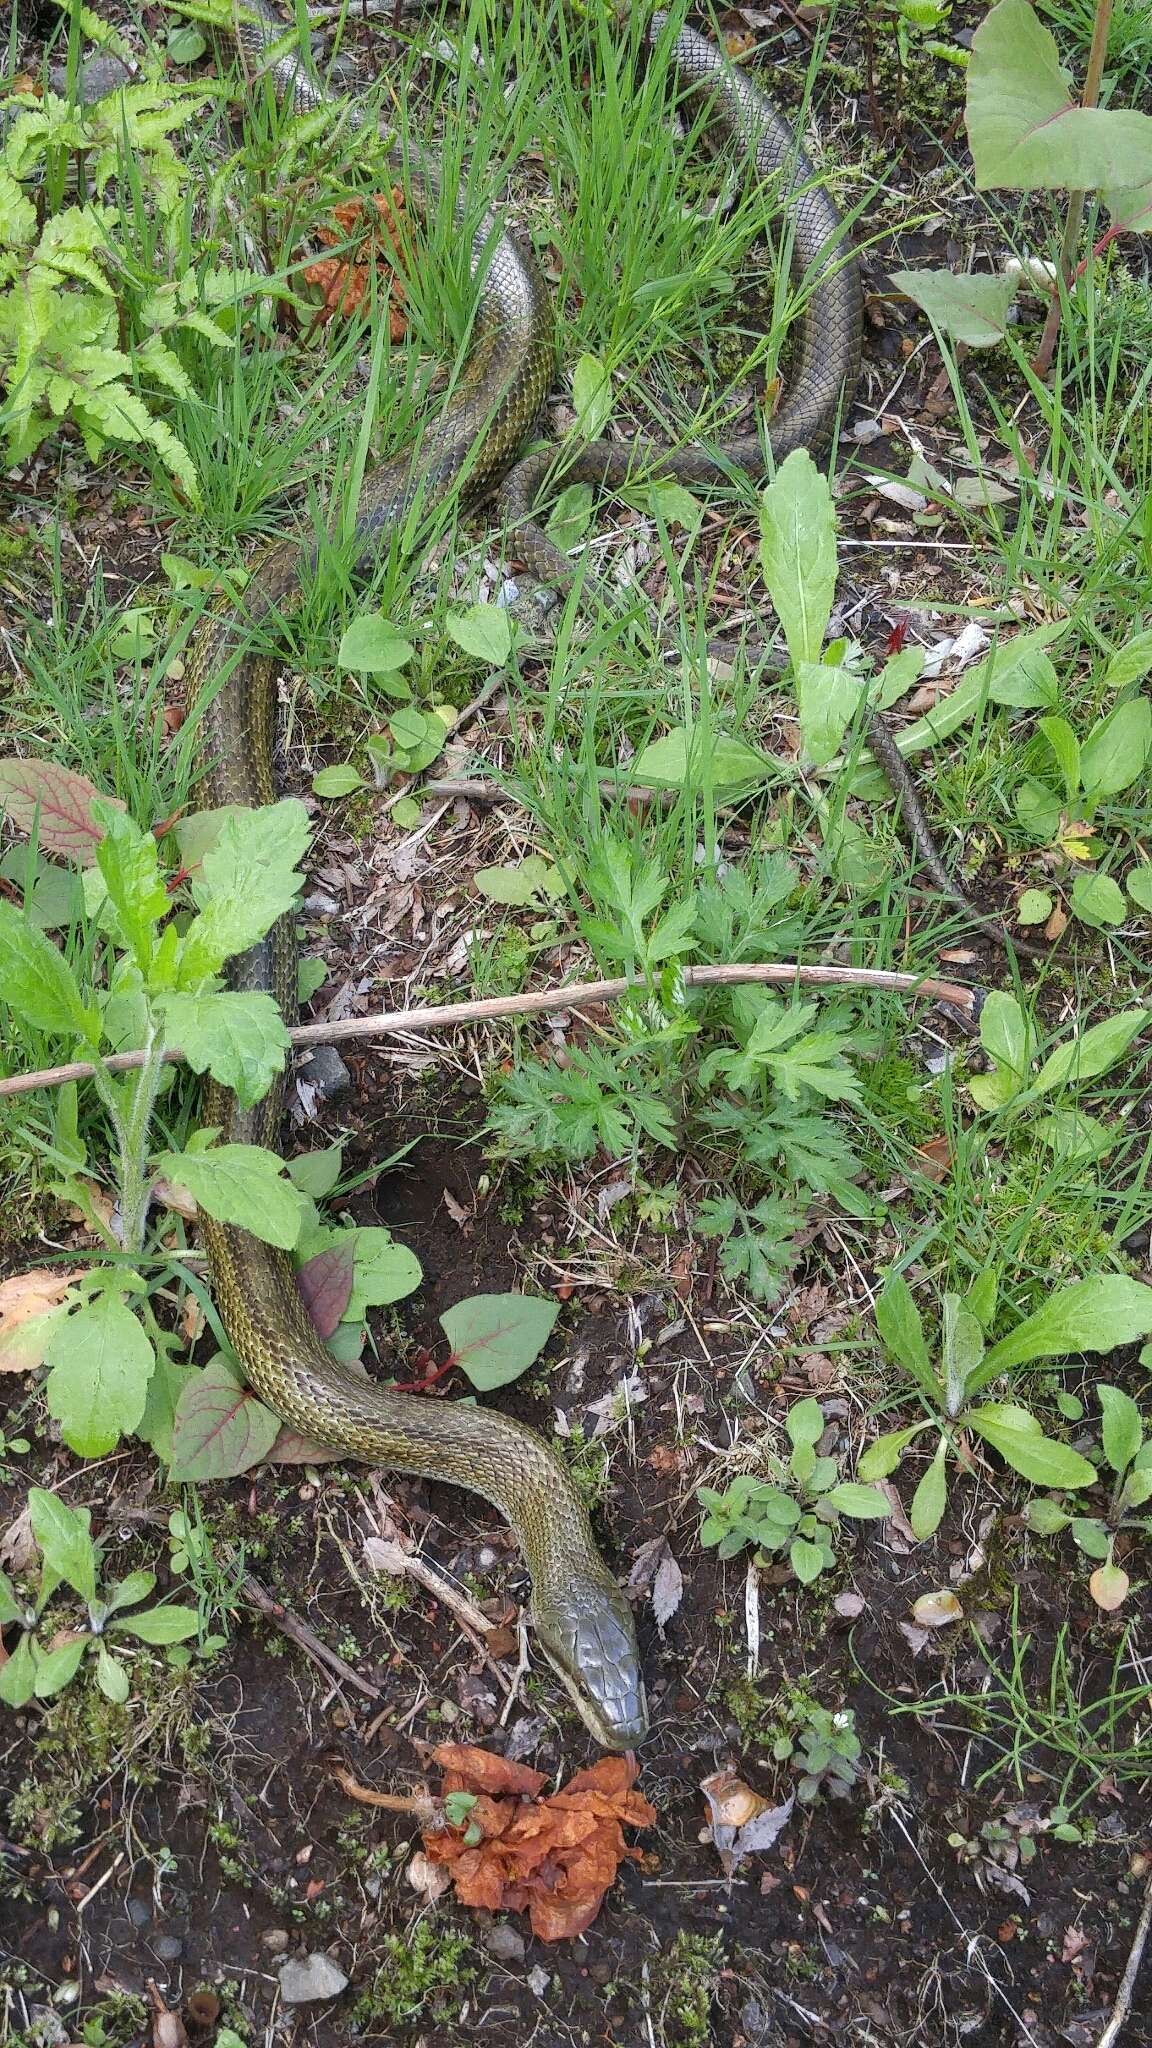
1092,1315
826,1749
1128,1454
798,1512
38,1669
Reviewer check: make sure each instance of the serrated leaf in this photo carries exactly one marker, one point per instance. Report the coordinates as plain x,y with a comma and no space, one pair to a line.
57,803
100,1362
238,1038
220,1427
63,1535
971,307
517,887
496,1337
37,983
247,879
241,1184
798,552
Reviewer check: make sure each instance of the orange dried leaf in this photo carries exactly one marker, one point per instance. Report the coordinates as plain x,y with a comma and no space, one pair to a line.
553,1858
27,1305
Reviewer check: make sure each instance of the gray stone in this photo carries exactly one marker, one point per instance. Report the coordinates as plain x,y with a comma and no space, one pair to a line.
168,1947
275,1940
95,79
504,1942
304,1979
139,1912
324,1070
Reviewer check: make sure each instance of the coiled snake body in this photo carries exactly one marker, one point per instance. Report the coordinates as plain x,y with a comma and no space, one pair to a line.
581,1618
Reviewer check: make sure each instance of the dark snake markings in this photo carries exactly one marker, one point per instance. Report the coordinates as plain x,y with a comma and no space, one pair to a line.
581,1618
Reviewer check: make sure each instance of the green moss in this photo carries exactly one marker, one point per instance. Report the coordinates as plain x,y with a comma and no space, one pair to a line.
684,1987
422,1975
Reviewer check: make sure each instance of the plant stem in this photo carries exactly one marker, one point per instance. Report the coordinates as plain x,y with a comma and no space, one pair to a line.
1076,200
133,1144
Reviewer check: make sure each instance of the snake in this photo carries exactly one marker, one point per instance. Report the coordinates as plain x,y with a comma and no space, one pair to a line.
581,1618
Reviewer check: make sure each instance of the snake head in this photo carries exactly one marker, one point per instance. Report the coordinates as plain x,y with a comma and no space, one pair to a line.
589,1638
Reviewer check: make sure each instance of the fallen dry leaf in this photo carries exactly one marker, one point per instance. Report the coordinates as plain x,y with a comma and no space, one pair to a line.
937,1610
741,1822
345,283
553,1857
27,1302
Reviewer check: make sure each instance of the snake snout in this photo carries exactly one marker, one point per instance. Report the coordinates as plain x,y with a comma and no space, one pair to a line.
589,1638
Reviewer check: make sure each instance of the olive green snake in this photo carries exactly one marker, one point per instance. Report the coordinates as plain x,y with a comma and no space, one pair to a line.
581,1618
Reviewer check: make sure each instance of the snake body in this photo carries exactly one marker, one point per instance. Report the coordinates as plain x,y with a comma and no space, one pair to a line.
581,1618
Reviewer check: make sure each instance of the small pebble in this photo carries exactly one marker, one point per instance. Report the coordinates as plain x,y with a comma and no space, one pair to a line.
304,1979
275,1940
139,1912
325,1071
168,1947
505,1943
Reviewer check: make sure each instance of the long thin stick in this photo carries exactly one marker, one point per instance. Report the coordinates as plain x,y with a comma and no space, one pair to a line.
447,1016
1123,2004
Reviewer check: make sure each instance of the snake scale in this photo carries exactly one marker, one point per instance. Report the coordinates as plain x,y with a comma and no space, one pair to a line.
581,1618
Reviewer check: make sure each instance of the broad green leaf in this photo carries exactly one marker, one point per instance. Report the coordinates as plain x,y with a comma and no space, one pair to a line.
1026,131
882,1457
100,1364
1022,1444
1086,1057
384,1272
516,887
311,974
1092,1315
1006,1034
591,396
372,646
339,780
1008,667
798,552
1045,1517
247,879
18,1675
804,1422
37,983
484,630
129,861
980,1300
11,1609
962,1348
240,1184
1066,747
971,306
1098,901
56,803
807,1559
158,1625
1034,906
861,1503
111,1676
1114,754
316,1173
165,1387
1091,1535
1121,1432
1075,1137
220,1428
571,516
56,1668
63,1535
684,758
1038,809
931,1496
496,1337
238,1038
126,1592
1129,664
1138,882
902,1332
827,698
1131,209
